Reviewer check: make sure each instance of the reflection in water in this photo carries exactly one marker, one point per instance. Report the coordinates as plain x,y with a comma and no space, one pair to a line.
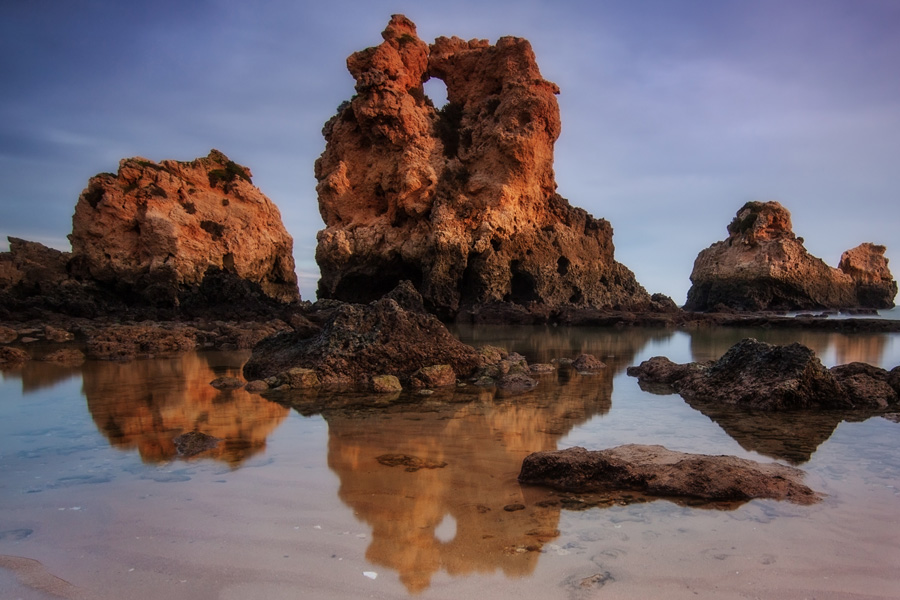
144,404
463,458
37,375
832,348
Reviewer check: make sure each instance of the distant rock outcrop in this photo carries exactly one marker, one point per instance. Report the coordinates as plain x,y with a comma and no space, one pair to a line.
461,201
181,236
764,266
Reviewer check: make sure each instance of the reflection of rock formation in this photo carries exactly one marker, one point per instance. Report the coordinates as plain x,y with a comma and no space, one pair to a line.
145,404
483,444
792,436
37,375
710,344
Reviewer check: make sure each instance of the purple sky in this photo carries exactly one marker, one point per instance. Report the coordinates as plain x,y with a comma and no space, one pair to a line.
674,113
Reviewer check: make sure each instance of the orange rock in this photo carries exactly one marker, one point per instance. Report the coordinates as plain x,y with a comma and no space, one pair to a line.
156,228
462,200
764,266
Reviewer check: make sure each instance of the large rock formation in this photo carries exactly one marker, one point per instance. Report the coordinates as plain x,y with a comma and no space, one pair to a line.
764,266
462,200
177,237
155,229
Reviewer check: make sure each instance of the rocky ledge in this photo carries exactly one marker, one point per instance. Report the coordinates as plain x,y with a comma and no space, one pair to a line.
761,376
657,471
459,200
762,265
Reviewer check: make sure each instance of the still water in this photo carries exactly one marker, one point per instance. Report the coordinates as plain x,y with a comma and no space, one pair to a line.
385,498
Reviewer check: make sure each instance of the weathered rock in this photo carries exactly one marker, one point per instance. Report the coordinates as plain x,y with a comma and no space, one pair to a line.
433,376
516,383
67,356
125,342
226,383
7,335
867,386
868,267
764,266
461,201
386,384
195,442
587,362
757,375
360,341
55,334
157,230
657,471
12,356
256,386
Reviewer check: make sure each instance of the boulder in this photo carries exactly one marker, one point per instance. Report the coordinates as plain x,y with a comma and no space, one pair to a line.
226,383
762,265
657,471
363,340
587,362
434,376
462,200
159,230
194,442
757,375
386,384
13,356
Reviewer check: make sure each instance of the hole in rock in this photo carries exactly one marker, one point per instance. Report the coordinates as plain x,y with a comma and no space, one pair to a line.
436,91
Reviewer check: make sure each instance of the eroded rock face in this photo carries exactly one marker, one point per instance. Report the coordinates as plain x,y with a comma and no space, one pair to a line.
757,375
156,230
657,471
762,265
360,342
461,200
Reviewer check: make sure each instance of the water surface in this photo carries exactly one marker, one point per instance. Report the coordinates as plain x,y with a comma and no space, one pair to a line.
417,496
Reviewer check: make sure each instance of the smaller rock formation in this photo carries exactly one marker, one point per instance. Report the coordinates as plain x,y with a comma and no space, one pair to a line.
162,240
362,341
757,375
156,229
657,471
762,265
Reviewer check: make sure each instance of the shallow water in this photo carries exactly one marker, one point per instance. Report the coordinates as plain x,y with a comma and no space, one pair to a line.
386,499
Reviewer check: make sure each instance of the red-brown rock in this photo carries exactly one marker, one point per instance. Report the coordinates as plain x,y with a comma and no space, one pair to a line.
157,229
657,471
462,200
764,266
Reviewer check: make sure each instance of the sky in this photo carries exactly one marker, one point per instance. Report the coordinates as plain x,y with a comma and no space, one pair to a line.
674,112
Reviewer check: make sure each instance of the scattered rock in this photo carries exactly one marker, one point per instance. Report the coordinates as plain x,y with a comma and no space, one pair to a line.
256,386
226,383
386,384
657,471
757,375
587,362
125,342
764,266
194,442
433,377
54,334
461,201
11,356
516,383
68,356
